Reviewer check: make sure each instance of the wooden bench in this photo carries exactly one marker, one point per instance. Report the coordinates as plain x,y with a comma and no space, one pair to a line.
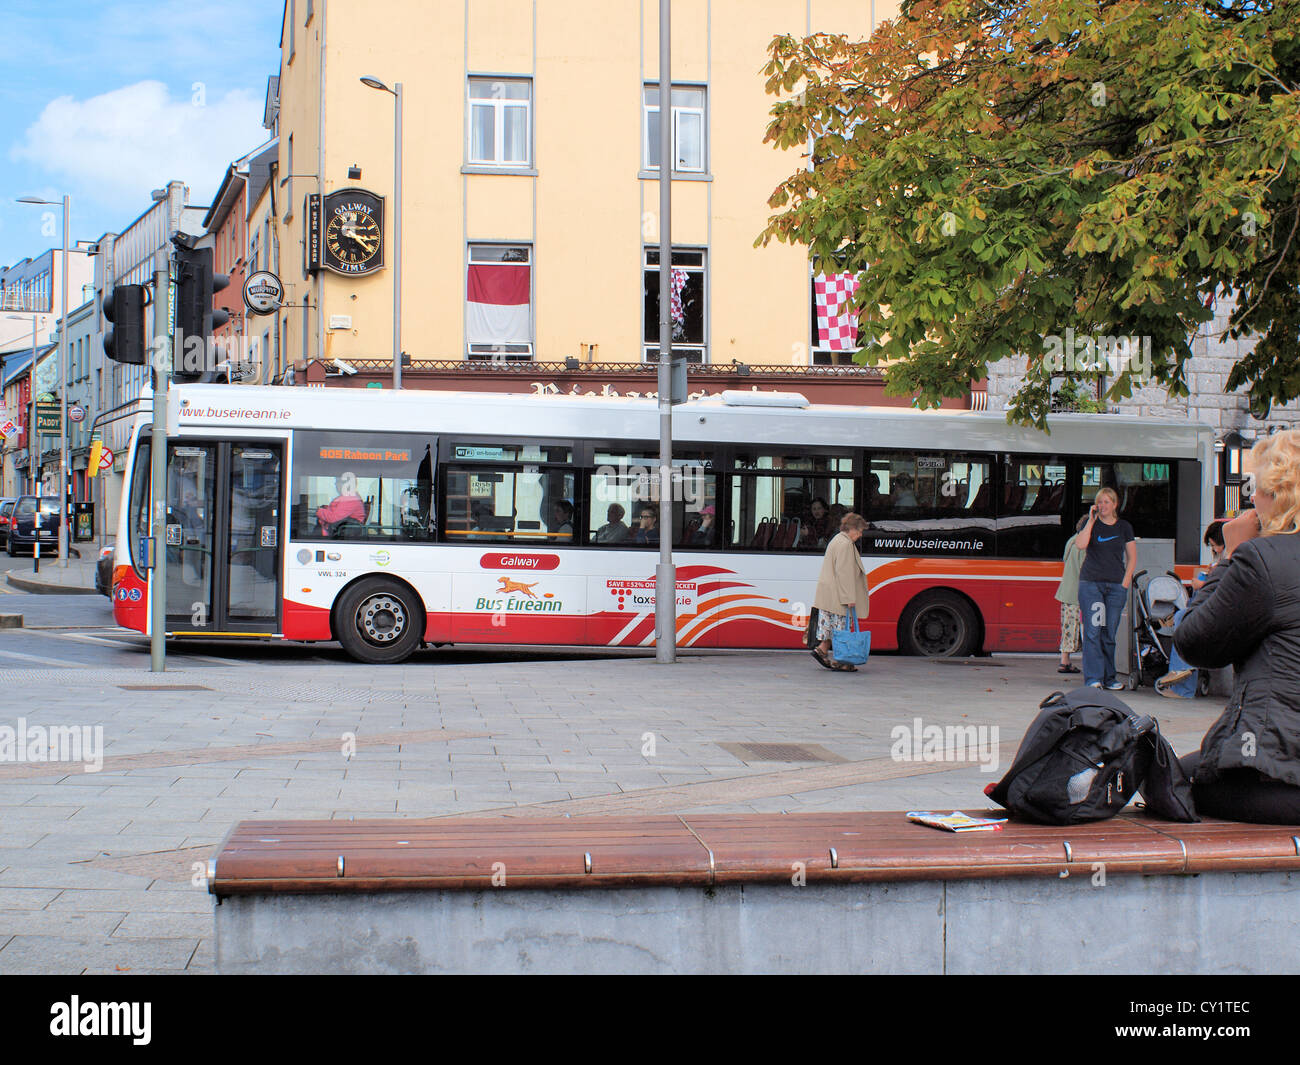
465,894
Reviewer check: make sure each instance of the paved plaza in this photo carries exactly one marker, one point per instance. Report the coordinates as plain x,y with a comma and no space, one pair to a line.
103,871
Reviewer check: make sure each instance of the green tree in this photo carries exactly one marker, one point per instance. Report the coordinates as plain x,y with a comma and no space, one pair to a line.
1002,172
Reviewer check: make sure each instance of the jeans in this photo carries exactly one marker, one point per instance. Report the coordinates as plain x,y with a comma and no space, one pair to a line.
1103,605
1185,688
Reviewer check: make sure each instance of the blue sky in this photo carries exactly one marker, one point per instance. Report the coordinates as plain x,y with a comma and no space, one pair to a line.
105,100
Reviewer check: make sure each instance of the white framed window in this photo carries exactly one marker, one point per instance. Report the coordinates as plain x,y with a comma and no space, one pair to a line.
690,132
499,302
500,122
687,310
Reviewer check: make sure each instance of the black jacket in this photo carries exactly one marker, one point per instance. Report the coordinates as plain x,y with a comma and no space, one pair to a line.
1247,615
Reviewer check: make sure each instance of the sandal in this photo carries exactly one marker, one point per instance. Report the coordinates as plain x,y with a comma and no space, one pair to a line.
820,655
842,667
1069,669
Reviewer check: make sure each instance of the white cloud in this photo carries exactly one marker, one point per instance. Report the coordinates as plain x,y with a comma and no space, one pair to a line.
116,147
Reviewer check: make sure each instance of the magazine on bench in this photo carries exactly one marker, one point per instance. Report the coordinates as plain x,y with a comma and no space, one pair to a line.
957,821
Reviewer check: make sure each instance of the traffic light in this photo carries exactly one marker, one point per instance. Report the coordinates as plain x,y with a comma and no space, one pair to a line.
194,357
124,307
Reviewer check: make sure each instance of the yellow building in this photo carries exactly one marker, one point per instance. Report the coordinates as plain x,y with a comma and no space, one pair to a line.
530,191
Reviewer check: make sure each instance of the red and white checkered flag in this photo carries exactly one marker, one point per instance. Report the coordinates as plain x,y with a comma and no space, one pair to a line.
676,285
837,325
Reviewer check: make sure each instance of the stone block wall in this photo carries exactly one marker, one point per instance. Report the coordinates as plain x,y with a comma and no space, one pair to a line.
1207,374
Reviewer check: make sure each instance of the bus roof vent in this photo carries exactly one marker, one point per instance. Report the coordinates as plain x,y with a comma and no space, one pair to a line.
735,398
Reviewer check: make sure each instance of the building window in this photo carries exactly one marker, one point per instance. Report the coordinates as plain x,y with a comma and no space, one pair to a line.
690,142
834,325
500,122
689,293
499,302
288,200
290,28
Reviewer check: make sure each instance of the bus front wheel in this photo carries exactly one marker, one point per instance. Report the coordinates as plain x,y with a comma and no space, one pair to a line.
380,621
939,625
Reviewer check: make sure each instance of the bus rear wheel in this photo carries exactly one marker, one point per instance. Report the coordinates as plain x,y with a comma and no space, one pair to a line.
939,625
379,621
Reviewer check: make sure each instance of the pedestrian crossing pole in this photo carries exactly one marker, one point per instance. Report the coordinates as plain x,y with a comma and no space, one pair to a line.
161,356
666,572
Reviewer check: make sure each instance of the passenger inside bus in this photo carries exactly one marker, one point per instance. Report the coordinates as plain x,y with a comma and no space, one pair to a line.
904,494
615,530
345,509
648,530
703,533
816,525
562,520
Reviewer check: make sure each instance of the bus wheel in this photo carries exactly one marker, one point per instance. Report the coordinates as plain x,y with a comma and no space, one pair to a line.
379,621
939,625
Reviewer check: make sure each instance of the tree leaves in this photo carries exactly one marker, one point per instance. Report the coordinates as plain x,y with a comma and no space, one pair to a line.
1003,173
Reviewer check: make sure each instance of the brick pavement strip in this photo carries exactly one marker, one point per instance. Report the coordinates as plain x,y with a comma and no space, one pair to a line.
518,739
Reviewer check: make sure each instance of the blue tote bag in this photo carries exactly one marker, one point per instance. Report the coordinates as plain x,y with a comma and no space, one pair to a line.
851,645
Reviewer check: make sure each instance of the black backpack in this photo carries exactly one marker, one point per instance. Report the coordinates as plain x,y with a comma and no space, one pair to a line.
1085,756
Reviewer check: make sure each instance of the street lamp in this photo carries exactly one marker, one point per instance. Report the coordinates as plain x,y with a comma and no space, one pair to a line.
63,384
396,93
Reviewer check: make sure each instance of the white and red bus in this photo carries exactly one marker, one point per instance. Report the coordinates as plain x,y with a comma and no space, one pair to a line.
386,520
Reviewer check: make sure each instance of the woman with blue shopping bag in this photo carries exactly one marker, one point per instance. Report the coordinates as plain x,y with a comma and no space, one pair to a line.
842,594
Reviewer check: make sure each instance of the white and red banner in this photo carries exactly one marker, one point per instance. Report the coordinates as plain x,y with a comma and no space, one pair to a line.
678,282
499,304
837,325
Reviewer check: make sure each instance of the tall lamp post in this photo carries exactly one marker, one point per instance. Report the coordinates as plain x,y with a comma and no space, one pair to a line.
396,93
63,384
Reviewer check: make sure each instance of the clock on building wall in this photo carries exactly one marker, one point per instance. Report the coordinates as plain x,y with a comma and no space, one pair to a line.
352,232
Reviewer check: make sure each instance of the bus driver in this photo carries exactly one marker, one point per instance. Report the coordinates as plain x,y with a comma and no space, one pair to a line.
345,506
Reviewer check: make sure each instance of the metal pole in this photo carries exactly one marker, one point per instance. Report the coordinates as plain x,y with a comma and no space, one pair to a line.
31,427
63,404
397,237
666,572
162,358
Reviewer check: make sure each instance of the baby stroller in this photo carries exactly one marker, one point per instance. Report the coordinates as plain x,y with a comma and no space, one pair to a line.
1155,605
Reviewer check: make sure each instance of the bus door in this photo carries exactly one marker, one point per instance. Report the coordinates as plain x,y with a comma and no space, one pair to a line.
224,513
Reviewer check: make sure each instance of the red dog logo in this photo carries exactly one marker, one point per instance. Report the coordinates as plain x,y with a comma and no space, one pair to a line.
508,587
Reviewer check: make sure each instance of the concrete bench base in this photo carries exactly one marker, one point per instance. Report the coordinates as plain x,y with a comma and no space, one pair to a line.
1210,923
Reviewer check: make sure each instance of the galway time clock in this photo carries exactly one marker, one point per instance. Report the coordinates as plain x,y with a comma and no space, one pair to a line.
353,237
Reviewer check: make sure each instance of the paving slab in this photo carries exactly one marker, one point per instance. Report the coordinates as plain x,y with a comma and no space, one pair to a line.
530,737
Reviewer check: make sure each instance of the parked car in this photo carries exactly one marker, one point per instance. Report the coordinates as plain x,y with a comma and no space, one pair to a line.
22,526
104,571
6,512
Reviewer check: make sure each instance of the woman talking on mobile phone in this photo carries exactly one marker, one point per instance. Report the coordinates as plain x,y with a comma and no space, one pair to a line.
1247,615
1104,580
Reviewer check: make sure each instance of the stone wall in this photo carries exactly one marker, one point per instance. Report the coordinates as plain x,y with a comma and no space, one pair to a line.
1207,373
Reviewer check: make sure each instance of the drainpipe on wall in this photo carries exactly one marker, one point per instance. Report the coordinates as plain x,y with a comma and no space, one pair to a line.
320,183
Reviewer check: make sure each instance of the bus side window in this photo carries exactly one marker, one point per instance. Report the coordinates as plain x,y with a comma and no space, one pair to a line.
1031,514
929,503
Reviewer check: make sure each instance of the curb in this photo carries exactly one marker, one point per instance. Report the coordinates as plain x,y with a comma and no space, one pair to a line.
39,587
